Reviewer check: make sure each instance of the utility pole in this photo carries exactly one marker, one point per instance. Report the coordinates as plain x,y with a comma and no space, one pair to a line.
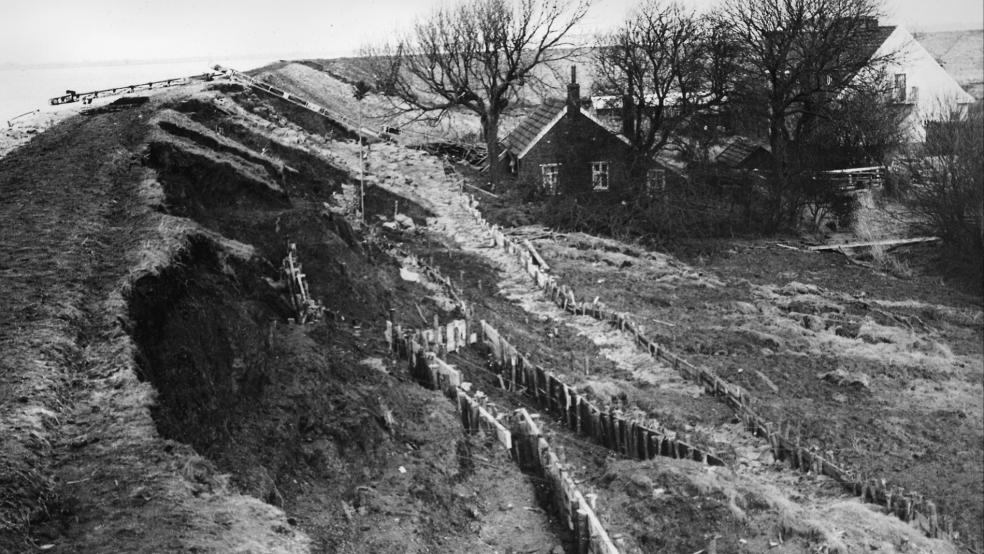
362,170
361,90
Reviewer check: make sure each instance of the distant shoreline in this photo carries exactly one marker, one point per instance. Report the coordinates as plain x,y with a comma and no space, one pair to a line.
13,66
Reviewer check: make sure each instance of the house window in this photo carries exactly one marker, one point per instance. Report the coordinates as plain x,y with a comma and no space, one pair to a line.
599,175
899,89
655,180
550,174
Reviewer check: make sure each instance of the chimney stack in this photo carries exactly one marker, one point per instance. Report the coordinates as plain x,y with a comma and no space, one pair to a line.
628,116
573,94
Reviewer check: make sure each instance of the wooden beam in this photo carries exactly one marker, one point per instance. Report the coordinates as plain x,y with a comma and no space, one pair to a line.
536,255
887,242
480,189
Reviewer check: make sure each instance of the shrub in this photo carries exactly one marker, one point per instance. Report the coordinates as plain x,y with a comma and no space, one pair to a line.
948,189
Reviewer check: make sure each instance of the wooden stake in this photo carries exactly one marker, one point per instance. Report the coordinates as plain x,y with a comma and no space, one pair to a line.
582,532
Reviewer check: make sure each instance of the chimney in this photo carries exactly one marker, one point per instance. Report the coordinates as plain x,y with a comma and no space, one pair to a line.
573,94
628,116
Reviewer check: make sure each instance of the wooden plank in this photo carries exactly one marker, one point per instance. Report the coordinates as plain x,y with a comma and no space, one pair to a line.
479,189
536,255
886,242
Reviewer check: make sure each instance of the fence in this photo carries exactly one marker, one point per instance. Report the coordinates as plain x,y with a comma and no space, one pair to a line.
608,429
907,505
524,441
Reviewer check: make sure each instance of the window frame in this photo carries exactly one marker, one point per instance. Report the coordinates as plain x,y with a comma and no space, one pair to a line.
551,186
900,87
656,180
601,168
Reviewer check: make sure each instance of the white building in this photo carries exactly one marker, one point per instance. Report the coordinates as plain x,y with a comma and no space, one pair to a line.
917,80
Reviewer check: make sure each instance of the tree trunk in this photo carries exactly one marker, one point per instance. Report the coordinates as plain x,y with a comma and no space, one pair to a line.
778,184
490,131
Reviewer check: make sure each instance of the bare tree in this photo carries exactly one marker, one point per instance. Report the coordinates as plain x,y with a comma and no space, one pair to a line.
799,55
668,65
477,55
862,126
948,187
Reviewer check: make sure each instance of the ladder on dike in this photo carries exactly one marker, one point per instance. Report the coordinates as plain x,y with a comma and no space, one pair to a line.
340,119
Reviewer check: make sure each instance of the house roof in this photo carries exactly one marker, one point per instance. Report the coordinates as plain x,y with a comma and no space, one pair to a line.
871,39
529,131
739,151
538,123
961,53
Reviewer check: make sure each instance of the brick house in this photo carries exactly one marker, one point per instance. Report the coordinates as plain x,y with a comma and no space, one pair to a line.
561,149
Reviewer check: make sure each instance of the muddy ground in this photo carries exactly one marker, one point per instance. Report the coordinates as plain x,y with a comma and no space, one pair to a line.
156,394
617,374
883,372
155,397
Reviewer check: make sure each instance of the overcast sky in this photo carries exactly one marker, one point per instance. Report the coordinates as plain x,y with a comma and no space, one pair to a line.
71,31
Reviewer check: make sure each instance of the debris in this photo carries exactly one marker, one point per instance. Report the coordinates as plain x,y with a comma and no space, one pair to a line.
843,377
813,323
404,221
479,189
348,510
536,255
420,312
887,242
744,307
402,469
767,381
385,413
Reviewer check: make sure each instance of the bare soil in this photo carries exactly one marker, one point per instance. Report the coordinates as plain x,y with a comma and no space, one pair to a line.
814,511
156,399
747,308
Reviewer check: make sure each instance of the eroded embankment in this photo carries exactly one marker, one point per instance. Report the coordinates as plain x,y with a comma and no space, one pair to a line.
315,419
203,326
81,465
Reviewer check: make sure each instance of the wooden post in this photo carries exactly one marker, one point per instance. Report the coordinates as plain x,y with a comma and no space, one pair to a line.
605,430
463,408
583,535
625,437
575,411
